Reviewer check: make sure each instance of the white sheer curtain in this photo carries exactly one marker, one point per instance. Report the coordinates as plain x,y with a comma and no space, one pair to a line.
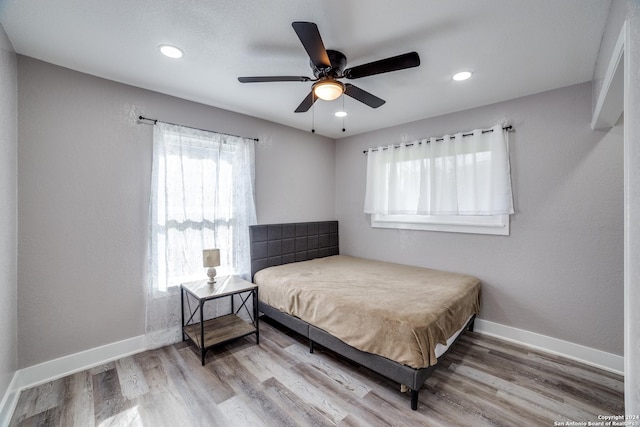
202,196
454,175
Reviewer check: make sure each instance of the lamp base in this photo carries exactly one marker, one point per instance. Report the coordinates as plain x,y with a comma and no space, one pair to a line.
211,272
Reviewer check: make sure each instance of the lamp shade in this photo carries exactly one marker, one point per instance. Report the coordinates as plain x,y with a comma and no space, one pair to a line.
328,90
211,257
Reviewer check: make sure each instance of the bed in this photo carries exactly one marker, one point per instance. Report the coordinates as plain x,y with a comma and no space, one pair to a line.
393,319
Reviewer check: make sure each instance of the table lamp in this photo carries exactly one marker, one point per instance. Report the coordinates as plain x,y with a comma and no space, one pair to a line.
211,259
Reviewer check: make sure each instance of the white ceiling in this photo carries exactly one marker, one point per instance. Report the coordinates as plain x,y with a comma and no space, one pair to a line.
513,47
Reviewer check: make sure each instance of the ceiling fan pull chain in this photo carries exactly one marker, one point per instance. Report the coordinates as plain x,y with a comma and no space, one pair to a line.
343,110
313,115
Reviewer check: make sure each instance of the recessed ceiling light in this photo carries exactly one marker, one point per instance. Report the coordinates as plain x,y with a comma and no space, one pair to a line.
463,75
170,51
341,114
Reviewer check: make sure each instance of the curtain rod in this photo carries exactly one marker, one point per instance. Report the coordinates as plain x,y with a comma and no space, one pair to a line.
507,128
155,121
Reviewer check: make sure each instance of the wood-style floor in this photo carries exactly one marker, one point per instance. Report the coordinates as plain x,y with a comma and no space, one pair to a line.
480,382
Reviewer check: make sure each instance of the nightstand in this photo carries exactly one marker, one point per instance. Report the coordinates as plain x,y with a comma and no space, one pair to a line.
206,333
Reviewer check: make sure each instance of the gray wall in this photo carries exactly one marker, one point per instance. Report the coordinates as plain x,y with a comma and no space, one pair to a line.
560,273
8,212
83,179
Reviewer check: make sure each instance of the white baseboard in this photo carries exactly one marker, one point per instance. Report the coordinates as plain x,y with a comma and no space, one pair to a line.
63,366
66,365
587,355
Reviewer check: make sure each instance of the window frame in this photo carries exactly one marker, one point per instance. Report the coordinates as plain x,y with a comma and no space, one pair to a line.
496,224
213,220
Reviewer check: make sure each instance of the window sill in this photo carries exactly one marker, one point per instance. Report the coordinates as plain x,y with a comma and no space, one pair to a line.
492,225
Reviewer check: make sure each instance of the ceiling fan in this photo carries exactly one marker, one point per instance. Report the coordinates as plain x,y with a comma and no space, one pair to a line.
329,65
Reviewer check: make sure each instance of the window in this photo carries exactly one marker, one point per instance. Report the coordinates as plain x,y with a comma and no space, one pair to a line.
202,197
458,183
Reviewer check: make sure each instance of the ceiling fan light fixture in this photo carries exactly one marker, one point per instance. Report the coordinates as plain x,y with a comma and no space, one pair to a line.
328,90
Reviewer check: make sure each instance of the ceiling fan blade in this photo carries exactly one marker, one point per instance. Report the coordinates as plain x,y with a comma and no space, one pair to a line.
306,103
267,79
310,37
394,63
363,96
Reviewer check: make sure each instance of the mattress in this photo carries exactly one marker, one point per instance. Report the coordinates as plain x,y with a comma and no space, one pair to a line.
396,311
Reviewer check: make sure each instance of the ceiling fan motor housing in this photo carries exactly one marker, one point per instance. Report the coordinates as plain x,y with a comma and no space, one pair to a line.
338,62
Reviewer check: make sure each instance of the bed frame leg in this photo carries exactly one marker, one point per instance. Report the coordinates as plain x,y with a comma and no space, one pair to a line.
310,346
470,326
414,399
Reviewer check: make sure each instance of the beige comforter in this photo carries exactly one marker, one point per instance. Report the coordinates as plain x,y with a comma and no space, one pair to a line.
396,311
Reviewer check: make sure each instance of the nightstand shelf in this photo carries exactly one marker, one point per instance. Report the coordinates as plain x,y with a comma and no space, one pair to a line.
219,330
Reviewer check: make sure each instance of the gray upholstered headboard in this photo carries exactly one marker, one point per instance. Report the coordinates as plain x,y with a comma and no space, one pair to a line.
277,244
